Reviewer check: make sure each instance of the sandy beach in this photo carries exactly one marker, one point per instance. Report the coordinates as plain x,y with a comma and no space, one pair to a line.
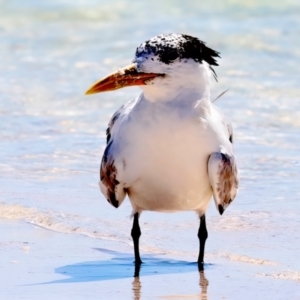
42,263
60,239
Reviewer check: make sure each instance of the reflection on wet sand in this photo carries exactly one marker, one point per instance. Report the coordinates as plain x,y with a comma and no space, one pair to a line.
120,267
203,285
137,286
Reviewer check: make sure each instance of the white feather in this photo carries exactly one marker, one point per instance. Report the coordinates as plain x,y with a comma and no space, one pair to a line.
161,142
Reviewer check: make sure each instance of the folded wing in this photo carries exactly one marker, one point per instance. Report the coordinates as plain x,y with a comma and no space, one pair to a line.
110,186
224,179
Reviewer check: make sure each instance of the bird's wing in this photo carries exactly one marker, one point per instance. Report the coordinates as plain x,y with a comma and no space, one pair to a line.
109,185
222,169
224,179
113,189
224,123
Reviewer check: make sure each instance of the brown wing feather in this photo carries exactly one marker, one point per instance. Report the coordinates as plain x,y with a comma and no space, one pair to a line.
111,188
223,175
108,174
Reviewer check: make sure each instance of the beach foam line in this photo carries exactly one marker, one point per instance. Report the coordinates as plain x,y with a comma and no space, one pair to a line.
286,275
72,224
239,221
54,221
244,258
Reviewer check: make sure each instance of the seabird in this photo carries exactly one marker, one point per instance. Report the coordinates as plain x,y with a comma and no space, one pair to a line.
171,148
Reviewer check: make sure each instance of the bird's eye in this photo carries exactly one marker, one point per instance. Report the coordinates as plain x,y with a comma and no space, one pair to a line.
230,139
168,55
172,55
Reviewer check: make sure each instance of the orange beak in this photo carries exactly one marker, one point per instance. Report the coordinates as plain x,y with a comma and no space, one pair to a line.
128,76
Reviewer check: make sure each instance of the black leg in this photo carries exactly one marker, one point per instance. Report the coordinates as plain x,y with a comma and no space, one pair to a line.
202,235
136,233
137,269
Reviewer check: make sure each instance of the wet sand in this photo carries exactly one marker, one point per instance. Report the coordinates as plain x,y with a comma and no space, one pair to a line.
240,263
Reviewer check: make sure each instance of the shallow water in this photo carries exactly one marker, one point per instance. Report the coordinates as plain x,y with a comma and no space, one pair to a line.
52,136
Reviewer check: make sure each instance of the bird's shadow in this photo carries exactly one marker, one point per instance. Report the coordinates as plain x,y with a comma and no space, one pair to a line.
121,266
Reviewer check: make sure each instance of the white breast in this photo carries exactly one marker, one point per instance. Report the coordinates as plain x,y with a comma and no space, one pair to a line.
163,158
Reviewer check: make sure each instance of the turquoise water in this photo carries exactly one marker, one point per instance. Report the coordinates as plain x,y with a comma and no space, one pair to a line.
52,136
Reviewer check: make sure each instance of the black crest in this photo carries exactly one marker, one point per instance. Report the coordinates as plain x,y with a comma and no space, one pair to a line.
170,47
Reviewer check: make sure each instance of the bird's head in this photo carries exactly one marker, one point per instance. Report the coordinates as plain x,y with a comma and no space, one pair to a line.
164,65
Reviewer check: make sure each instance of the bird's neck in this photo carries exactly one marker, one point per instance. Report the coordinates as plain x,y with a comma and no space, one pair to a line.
185,87
185,95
